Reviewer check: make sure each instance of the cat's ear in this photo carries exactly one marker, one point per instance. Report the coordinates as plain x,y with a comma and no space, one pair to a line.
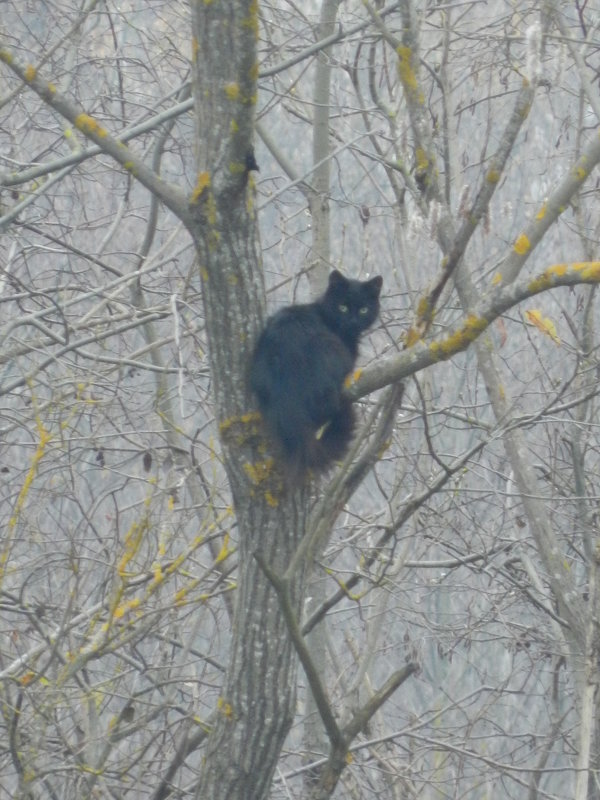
375,284
336,278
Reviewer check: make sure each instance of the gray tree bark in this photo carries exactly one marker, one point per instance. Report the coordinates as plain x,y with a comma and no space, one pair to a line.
258,701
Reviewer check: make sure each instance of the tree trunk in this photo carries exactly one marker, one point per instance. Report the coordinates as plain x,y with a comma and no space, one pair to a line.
258,701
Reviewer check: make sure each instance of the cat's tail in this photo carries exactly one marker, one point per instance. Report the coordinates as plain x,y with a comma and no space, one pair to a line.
291,431
304,449
330,443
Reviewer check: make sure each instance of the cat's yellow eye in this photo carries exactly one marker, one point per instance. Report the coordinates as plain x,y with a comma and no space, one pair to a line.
364,310
343,308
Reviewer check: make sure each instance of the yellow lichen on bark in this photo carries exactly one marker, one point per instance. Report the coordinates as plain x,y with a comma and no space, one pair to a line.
271,499
232,90
352,377
546,279
422,162
423,307
45,437
89,126
251,21
522,244
259,471
123,608
412,337
224,707
224,552
133,540
589,269
459,340
211,216
239,430
407,75
201,184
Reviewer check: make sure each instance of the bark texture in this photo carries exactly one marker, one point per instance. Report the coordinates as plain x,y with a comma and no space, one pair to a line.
257,704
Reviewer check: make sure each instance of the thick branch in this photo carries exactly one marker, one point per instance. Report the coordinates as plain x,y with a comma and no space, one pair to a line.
339,739
550,211
364,714
422,354
318,690
480,205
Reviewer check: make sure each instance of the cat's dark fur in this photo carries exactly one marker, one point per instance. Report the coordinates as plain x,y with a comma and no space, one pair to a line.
298,369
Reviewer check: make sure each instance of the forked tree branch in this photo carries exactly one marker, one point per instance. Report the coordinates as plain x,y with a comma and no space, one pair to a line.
171,196
493,305
340,739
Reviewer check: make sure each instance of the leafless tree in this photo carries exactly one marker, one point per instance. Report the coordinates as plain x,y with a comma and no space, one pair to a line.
160,586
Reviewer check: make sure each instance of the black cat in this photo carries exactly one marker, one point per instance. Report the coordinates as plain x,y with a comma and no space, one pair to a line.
298,369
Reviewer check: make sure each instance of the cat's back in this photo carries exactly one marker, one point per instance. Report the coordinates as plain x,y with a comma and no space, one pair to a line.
296,355
299,320
295,335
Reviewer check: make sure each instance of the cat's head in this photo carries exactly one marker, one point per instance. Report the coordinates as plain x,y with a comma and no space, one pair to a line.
351,306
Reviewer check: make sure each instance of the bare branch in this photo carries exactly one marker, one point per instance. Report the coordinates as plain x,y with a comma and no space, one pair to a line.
362,717
172,197
316,686
492,306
